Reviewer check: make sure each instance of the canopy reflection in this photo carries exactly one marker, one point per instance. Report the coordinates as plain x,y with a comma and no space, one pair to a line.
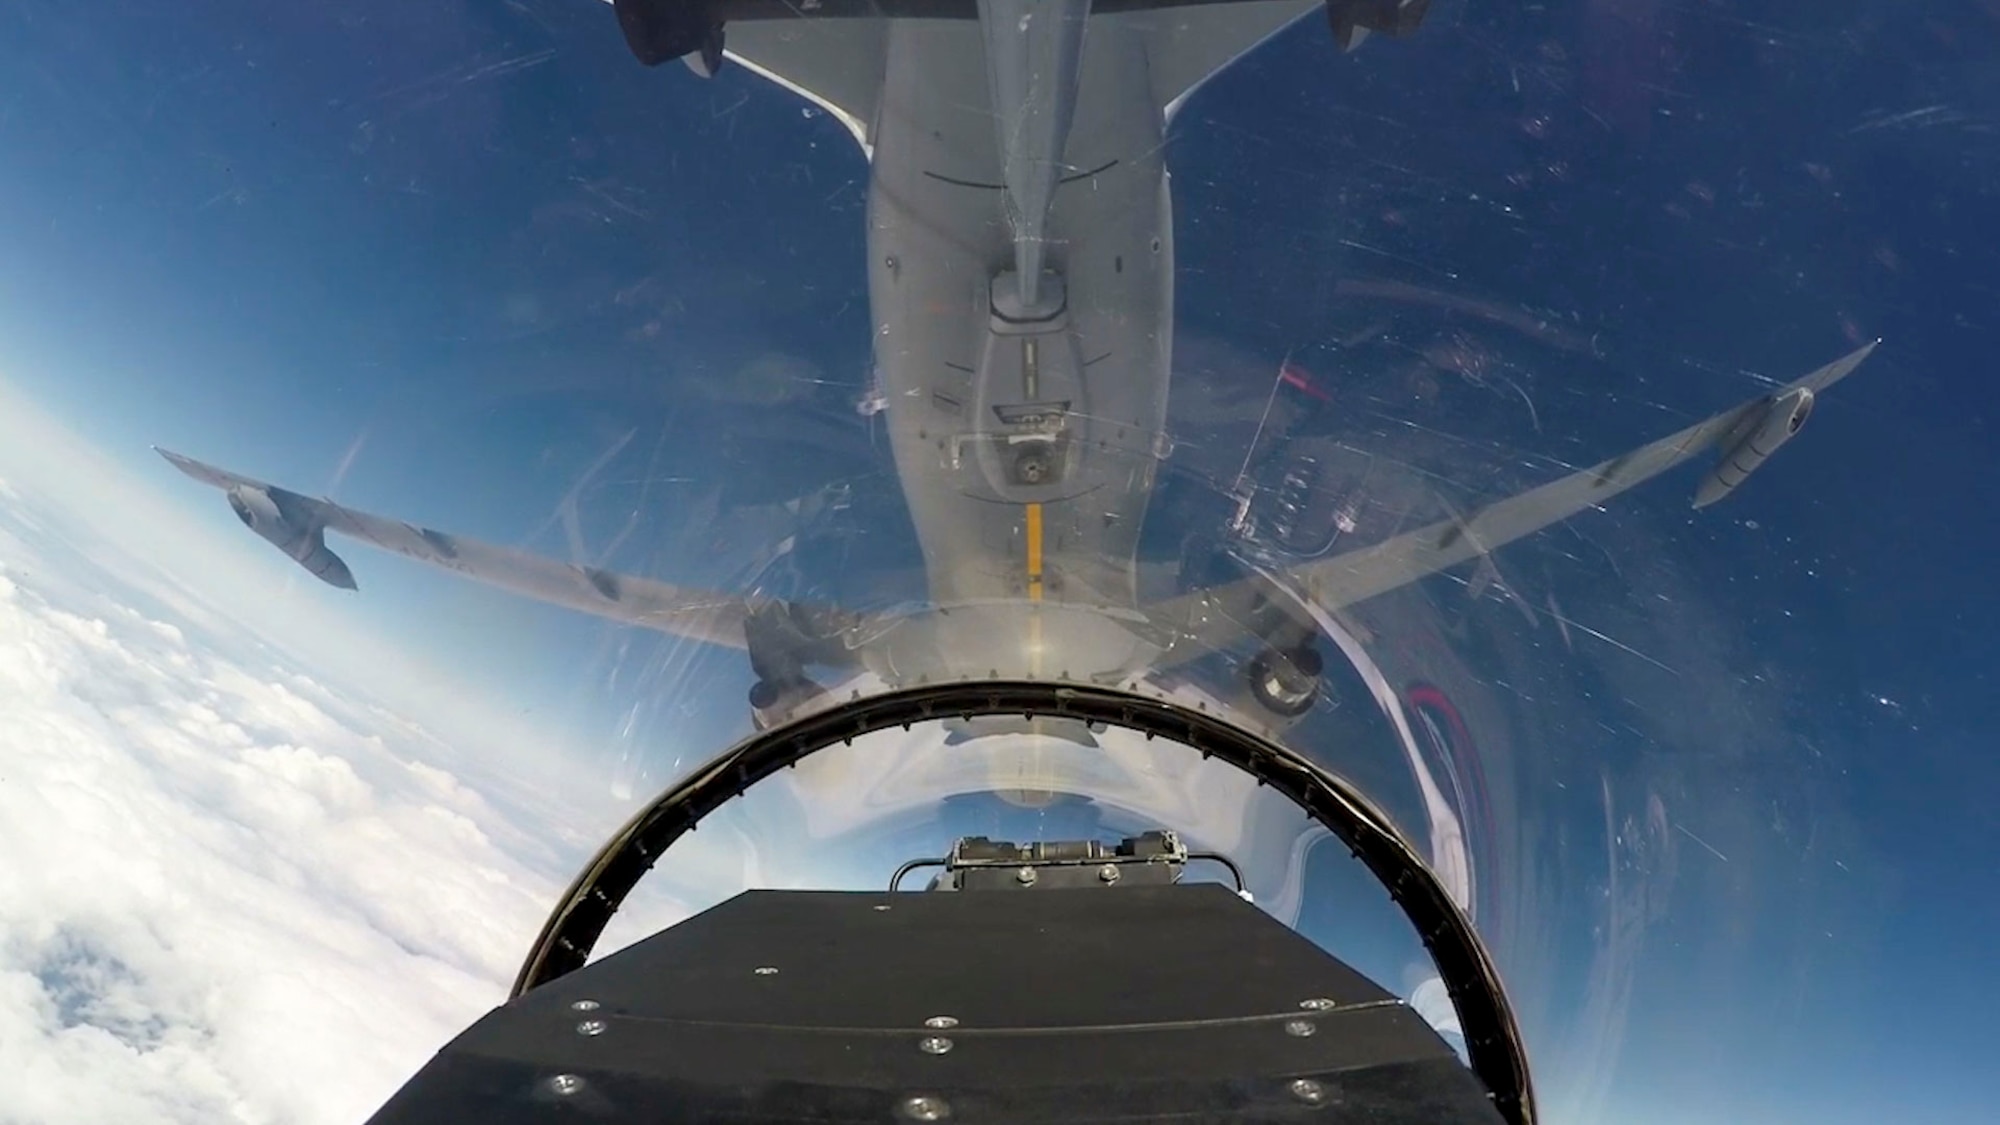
773,397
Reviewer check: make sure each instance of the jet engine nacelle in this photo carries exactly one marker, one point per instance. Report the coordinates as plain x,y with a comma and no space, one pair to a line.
1286,681
774,702
1352,20
1764,433
301,538
661,30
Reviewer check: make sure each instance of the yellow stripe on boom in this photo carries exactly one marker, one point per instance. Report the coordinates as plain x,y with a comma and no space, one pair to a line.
1034,552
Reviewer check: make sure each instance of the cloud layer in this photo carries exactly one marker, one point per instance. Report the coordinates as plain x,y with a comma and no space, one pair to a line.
231,892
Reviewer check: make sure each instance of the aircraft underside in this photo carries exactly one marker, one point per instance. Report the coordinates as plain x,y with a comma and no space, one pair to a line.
1026,430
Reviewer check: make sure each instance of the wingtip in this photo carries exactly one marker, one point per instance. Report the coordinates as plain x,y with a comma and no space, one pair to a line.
1839,369
1860,355
179,461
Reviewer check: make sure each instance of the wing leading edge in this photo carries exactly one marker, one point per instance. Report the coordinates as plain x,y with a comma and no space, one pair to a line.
1744,434
297,525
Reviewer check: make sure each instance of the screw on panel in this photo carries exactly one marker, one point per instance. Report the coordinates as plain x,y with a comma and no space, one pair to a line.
1025,876
767,970
590,1027
1317,1004
1308,1091
934,1045
1108,873
925,1109
1300,1028
563,1085
941,1021
584,1006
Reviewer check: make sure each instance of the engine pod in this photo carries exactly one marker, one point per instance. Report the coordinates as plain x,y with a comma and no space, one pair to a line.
1766,433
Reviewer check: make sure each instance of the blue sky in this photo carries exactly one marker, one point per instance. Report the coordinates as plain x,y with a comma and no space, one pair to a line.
437,260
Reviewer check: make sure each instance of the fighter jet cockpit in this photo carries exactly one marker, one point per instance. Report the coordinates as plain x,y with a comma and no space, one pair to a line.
992,561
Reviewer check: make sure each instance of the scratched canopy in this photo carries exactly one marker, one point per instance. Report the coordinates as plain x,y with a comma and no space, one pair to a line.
1489,408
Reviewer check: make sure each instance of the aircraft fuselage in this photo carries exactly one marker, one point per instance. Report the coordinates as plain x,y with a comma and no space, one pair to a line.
1026,443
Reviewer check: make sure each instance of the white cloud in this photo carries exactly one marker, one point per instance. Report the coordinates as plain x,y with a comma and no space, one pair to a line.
222,900
232,889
